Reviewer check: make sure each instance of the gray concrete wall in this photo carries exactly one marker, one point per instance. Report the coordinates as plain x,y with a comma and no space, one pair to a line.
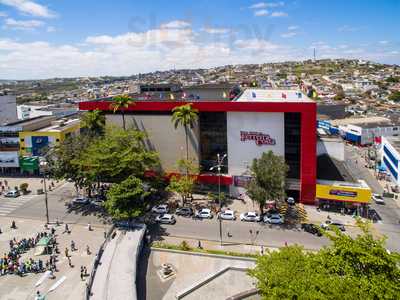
163,137
8,109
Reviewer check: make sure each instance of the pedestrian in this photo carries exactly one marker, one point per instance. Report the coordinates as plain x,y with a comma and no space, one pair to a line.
1,231
53,230
82,276
88,250
73,246
66,252
66,230
13,226
85,273
70,262
39,296
89,227
105,234
285,244
262,250
199,245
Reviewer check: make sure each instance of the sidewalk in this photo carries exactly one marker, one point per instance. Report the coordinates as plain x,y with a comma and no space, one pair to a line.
34,183
15,287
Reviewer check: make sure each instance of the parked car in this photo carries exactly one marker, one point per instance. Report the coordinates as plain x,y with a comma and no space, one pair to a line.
311,228
12,194
250,216
291,201
204,213
378,199
160,209
184,211
81,200
166,219
227,215
96,202
336,223
273,219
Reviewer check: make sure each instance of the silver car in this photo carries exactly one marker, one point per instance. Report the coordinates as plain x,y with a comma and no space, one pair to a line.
227,215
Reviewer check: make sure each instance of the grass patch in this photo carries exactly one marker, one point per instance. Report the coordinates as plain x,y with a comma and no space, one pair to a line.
185,247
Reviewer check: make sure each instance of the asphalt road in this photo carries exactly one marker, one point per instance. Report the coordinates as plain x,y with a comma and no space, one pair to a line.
390,212
239,232
58,209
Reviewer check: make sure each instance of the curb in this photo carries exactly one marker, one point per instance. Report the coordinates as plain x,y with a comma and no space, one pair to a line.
230,257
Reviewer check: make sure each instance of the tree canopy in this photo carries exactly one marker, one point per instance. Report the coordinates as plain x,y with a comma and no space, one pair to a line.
350,268
184,115
121,103
268,178
93,122
184,185
395,96
125,200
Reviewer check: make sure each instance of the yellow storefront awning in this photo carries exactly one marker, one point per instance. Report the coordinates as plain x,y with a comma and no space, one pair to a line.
344,191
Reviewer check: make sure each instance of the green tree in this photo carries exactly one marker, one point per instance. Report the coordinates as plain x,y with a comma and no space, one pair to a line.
126,200
185,115
121,103
268,179
117,155
184,185
395,96
93,122
350,268
63,160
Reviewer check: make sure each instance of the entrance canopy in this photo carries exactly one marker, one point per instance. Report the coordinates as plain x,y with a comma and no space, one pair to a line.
356,192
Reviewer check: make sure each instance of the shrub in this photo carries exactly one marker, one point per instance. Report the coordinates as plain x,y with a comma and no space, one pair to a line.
185,246
23,187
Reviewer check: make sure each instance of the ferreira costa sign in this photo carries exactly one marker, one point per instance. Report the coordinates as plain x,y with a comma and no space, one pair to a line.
259,138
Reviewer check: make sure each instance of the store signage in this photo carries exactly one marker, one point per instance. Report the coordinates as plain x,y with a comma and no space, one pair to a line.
241,181
259,138
343,193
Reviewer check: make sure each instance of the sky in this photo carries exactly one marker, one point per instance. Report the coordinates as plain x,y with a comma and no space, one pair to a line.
69,38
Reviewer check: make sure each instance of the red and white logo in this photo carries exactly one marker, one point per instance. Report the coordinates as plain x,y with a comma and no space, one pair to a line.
259,138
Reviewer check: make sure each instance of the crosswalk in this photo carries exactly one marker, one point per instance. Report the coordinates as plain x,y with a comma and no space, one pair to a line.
8,205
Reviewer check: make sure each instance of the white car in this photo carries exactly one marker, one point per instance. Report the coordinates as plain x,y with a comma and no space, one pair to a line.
227,215
80,200
160,209
274,219
250,216
12,194
378,199
166,219
336,223
204,213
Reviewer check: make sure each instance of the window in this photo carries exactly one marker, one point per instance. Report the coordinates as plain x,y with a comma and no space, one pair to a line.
395,128
57,140
22,140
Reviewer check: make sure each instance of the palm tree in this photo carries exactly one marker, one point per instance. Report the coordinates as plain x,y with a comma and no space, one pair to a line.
121,103
93,122
185,115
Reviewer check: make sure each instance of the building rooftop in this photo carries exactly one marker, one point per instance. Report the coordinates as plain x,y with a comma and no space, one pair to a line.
263,95
60,125
30,121
369,125
356,121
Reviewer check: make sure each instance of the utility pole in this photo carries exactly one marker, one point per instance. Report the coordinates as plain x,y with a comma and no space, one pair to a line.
43,165
218,166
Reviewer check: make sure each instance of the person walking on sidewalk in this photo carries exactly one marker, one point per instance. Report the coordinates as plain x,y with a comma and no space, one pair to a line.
73,246
66,252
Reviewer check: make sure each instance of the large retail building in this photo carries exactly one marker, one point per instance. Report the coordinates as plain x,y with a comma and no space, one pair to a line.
256,121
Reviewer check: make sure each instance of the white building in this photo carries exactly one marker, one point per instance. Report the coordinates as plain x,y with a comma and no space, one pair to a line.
8,108
32,111
390,157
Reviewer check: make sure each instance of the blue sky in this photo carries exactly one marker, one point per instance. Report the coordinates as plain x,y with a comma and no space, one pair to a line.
42,38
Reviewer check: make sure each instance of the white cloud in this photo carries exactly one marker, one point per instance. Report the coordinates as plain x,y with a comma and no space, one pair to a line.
266,4
3,14
216,30
177,24
347,28
22,25
261,12
156,49
51,29
289,34
290,28
383,42
30,8
279,14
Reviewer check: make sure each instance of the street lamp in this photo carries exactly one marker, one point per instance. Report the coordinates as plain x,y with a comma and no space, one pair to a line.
218,166
43,166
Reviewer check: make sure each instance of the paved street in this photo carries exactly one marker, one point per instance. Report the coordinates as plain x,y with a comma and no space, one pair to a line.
58,200
9,205
390,212
272,236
